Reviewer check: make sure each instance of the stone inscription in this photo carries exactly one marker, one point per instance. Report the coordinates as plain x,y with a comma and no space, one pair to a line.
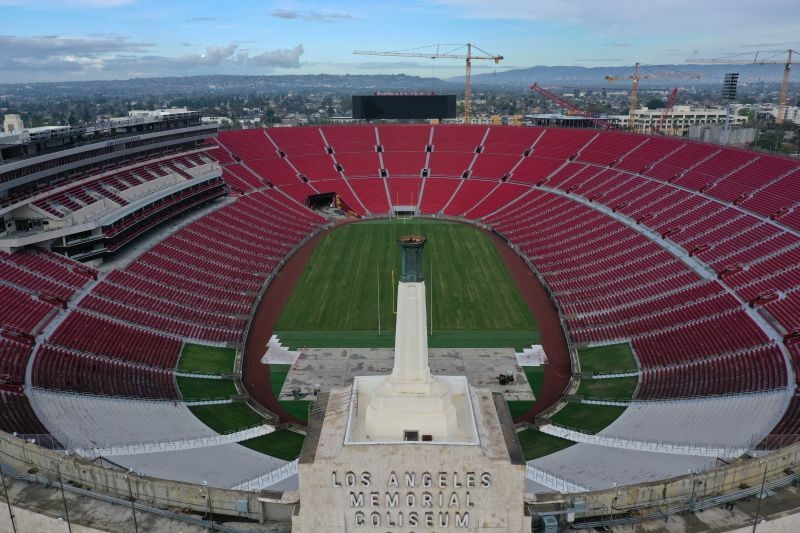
412,499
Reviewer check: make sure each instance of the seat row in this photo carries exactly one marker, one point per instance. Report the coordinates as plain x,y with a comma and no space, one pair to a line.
65,370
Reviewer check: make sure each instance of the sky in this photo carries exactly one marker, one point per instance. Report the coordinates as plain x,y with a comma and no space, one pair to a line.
64,40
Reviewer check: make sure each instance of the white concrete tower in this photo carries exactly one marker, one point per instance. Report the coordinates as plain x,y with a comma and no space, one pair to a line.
410,404
411,452
411,368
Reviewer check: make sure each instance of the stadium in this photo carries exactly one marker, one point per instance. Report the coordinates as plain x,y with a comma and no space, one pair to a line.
176,297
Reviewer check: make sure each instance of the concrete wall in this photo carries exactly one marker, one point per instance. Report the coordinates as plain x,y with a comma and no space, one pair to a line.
784,524
34,459
410,486
647,497
714,133
30,521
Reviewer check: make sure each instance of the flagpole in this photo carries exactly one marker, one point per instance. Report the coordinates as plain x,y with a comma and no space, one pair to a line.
378,277
431,298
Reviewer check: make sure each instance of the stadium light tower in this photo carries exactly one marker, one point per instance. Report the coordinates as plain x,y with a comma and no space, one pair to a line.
728,96
437,53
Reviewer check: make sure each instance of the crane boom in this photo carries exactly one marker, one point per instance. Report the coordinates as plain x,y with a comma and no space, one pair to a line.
468,57
635,77
409,54
787,66
566,104
671,99
782,109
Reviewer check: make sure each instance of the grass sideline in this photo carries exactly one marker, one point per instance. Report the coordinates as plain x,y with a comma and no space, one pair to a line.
277,375
536,444
196,389
202,359
283,444
475,301
297,340
608,389
588,418
535,377
228,417
518,408
296,408
607,359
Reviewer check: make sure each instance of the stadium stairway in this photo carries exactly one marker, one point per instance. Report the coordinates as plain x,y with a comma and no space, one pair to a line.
683,427
697,267
596,467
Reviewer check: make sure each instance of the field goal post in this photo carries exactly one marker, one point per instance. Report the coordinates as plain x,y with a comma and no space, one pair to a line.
404,206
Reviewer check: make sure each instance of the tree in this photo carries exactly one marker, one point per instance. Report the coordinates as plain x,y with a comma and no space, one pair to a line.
744,112
656,103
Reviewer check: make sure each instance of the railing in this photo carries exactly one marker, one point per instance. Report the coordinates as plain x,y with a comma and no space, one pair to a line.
172,444
621,402
646,445
552,481
613,375
210,401
129,502
689,504
267,479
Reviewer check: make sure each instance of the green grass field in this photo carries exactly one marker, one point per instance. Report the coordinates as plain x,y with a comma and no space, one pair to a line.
439,339
228,417
518,407
336,304
535,376
587,417
203,359
195,389
608,389
277,375
296,408
536,444
607,359
283,444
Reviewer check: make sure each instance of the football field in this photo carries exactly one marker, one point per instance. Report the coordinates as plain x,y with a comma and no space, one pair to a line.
348,289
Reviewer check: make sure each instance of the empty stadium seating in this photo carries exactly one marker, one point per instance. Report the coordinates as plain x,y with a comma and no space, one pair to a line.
65,200
684,250
83,420
17,416
14,354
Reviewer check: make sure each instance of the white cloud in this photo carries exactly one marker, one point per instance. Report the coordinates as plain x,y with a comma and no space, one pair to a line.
312,16
283,58
213,56
101,56
228,59
735,19
200,19
44,46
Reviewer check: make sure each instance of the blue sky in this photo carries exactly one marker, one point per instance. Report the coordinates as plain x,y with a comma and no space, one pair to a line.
51,40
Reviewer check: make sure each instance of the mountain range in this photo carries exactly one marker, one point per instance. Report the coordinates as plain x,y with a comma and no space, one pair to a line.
595,76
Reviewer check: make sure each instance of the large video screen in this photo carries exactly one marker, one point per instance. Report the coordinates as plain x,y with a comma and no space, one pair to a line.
404,107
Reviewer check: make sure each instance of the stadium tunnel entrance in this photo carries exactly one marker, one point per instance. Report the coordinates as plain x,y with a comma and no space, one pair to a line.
330,200
404,210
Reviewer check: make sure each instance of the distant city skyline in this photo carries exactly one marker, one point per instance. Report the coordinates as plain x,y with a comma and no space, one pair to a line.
49,40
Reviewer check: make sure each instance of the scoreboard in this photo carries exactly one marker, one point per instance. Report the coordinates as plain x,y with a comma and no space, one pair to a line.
404,106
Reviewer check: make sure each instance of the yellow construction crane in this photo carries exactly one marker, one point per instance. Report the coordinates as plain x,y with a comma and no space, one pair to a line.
635,77
769,60
450,52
